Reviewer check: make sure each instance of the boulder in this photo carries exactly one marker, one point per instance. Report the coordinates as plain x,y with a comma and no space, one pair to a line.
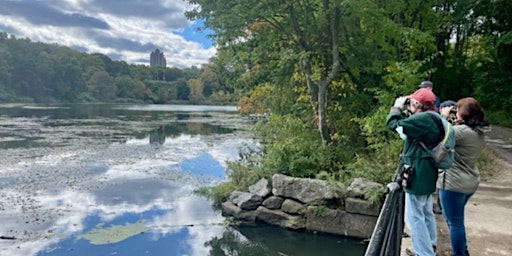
230,209
273,202
279,218
261,188
334,221
245,200
359,185
293,207
359,206
308,191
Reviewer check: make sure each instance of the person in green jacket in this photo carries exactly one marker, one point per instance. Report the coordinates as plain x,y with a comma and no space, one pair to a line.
415,125
458,183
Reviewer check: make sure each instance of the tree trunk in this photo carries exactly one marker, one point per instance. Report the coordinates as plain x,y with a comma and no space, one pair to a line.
319,103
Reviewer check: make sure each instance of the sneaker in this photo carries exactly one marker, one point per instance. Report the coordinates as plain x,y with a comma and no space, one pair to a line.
410,252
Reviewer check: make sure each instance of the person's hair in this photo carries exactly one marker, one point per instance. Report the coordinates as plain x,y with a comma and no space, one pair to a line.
422,107
427,107
471,112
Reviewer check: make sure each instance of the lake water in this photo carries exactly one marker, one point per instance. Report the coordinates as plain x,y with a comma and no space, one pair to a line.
119,180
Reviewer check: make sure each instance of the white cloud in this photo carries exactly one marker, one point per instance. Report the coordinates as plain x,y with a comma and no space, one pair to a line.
127,30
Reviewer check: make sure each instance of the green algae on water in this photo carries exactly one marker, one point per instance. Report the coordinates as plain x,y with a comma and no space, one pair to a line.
114,233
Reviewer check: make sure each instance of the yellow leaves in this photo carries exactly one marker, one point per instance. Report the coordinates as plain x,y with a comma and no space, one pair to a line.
258,25
196,89
343,88
298,77
253,103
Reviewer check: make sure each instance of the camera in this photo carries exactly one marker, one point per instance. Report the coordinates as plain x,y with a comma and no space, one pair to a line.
453,111
407,102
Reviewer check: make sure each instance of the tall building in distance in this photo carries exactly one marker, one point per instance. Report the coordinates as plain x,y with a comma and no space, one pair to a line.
157,59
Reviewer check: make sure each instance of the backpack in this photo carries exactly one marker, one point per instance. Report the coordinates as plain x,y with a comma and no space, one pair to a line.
443,152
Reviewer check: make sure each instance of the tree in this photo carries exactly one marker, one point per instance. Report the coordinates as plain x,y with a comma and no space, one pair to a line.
210,81
316,41
196,89
101,85
129,88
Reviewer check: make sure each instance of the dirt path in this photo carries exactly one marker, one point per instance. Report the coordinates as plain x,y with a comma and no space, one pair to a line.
488,215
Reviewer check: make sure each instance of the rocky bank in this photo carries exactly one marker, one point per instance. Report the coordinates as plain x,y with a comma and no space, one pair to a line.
307,204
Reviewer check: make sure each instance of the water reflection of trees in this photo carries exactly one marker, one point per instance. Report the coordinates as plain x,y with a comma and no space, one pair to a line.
266,240
172,130
232,244
157,136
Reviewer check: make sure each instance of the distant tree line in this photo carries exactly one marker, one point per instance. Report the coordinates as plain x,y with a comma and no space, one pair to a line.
50,73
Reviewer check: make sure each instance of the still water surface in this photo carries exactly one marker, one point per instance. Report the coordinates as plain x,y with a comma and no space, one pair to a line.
118,180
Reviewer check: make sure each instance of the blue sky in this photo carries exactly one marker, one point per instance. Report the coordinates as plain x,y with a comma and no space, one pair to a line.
127,30
190,33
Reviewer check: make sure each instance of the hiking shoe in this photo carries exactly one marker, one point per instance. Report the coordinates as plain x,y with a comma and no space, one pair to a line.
410,252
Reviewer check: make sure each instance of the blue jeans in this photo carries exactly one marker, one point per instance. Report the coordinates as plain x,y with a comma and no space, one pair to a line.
421,222
453,204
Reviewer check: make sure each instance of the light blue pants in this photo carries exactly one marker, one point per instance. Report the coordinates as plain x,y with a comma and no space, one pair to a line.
421,222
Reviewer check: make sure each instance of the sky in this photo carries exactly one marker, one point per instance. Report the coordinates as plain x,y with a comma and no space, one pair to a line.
125,30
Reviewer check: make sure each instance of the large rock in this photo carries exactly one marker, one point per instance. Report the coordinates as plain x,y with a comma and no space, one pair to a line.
293,207
261,188
279,218
308,191
230,209
273,202
359,206
335,221
359,185
245,200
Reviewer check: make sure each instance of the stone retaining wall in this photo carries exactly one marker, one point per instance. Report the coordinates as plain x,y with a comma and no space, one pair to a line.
307,204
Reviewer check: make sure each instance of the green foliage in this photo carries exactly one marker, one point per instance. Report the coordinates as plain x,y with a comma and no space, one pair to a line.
101,85
277,56
37,72
378,162
379,166
217,194
320,210
502,117
293,148
374,194
242,173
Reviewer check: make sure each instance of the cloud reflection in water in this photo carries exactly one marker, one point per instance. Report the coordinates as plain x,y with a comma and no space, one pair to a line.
54,200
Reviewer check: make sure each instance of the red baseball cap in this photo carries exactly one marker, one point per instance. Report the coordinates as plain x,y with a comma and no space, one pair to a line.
424,96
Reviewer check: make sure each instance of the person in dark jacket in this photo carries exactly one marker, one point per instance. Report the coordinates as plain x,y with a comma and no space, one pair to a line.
429,85
449,107
413,126
458,183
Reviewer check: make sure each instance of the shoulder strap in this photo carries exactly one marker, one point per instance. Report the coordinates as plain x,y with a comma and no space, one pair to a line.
440,126
447,132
